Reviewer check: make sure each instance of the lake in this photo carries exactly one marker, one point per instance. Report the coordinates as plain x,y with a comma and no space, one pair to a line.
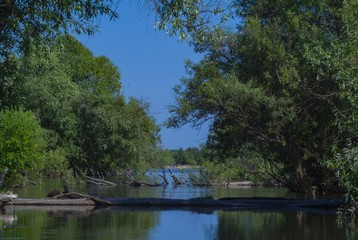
148,223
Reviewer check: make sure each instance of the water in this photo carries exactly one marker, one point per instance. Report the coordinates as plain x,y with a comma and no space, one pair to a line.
147,223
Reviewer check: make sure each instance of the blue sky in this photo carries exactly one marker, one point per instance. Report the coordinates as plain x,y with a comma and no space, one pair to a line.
151,63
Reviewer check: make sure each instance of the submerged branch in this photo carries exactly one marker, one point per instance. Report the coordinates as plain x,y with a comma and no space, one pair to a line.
136,183
98,181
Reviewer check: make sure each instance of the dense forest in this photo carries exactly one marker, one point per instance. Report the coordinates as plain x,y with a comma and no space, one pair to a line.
278,86
70,113
279,80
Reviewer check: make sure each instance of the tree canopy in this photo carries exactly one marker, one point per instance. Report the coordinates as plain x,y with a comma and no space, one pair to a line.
87,123
24,22
277,82
78,100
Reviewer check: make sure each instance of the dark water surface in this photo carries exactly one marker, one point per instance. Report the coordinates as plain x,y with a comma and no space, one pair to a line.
183,224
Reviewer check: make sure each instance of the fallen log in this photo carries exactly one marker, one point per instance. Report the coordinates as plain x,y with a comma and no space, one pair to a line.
257,203
7,196
235,203
55,210
51,202
70,199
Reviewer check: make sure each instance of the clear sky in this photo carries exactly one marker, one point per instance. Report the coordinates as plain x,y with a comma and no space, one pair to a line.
151,63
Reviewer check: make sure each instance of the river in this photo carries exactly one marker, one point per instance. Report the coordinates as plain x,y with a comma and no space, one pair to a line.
167,224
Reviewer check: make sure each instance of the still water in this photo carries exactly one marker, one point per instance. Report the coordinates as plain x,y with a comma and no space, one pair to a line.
147,223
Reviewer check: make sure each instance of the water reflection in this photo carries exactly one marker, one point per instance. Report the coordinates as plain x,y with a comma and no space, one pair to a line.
149,223
64,223
290,225
72,223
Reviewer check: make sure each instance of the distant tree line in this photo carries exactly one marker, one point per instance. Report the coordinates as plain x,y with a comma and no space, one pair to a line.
193,156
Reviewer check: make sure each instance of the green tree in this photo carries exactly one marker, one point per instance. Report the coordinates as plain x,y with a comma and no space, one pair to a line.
21,145
51,94
276,83
141,135
24,24
87,120
112,138
112,134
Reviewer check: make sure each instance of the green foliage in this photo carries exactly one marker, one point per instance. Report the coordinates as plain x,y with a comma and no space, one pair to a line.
25,22
191,156
111,138
49,91
21,145
190,18
346,165
9,83
58,79
163,158
56,164
221,171
284,82
77,98
97,75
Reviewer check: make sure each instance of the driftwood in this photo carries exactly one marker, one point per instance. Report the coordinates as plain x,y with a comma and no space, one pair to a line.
98,181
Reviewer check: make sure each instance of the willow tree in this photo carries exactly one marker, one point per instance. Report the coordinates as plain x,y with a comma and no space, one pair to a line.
283,81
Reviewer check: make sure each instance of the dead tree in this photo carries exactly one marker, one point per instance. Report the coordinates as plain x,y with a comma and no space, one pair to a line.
195,181
175,179
98,181
164,177
136,183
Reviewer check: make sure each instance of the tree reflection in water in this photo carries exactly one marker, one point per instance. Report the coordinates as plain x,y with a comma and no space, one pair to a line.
148,223
290,225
